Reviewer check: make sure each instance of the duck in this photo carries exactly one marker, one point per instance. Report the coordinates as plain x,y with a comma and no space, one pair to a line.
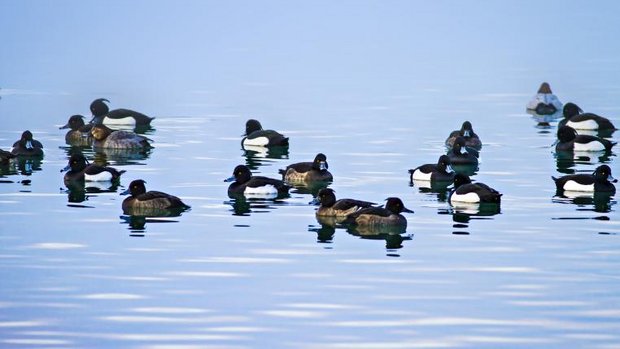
577,119
116,117
330,207
79,170
308,171
544,102
244,183
569,140
467,132
79,133
256,136
459,155
5,156
390,215
467,192
27,146
141,201
600,180
104,137
433,172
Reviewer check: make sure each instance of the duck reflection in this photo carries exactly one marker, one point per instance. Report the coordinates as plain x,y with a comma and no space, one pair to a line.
78,192
28,165
600,202
75,149
121,156
433,188
243,206
392,235
463,213
7,167
137,224
468,170
311,188
543,122
324,232
256,156
144,129
567,160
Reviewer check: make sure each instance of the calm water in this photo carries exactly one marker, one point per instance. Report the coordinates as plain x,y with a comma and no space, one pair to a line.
373,94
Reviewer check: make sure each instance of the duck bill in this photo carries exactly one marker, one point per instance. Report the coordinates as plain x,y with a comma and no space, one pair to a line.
612,179
230,179
407,210
66,168
323,166
64,127
315,201
126,192
466,133
29,145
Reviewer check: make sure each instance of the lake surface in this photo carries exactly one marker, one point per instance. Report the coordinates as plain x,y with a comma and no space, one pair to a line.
377,88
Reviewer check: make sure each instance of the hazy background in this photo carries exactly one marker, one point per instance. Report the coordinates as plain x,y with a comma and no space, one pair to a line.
299,59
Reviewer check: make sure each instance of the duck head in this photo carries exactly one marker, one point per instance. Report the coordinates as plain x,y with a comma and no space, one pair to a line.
467,129
241,174
460,179
395,205
77,162
320,162
251,126
136,187
75,123
570,110
603,174
99,108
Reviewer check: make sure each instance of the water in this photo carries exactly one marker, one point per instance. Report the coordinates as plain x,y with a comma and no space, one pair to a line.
377,88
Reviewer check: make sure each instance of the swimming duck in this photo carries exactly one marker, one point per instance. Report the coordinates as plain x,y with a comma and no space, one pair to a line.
308,171
467,132
255,135
433,172
599,181
330,207
578,120
104,137
142,201
79,133
569,140
27,146
467,192
544,102
246,184
117,117
79,170
459,155
390,215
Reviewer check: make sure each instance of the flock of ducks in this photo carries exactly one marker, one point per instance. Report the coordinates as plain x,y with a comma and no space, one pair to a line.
453,168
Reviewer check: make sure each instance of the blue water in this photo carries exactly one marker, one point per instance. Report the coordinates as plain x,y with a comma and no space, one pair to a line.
375,86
